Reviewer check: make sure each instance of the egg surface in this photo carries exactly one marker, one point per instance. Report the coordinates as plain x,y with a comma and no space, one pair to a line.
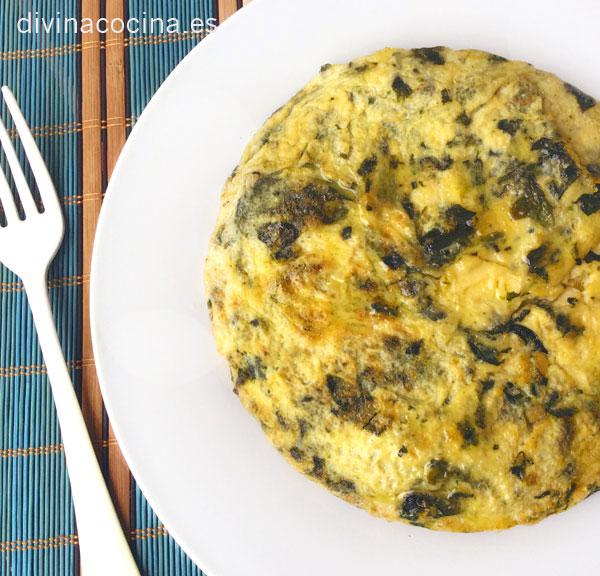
405,280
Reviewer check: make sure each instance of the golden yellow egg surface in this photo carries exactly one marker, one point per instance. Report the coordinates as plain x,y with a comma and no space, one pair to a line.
404,280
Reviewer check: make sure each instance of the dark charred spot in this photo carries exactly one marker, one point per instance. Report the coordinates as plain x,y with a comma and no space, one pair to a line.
569,493
435,241
367,285
346,232
314,201
593,488
282,421
410,287
401,88
554,160
342,392
493,240
286,253
585,102
392,342
513,394
509,126
520,463
475,168
531,202
535,259
261,197
278,235
319,201
594,170
424,505
591,257
408,208
376,425
569,470
445,94
565,326
325,67
384,309
303,426
487,385
438,470
367,380
440,247
430,55
252,369
483,352
367,166
402,451
468,432
414,348
393,260
496,58
544,304
440,164
527,335
590,203
463,119
428,309
296,454
353,401
551,407
318,467
522,314
460,216
343,486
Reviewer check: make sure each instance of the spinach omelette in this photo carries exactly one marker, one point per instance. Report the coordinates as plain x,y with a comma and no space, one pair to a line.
404,279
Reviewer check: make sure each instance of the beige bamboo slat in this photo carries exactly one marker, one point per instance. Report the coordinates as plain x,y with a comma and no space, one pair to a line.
118,473
91,112
226,9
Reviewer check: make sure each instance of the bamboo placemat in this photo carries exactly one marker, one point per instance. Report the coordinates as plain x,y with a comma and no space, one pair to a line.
81,93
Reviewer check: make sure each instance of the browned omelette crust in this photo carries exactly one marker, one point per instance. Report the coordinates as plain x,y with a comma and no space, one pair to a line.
403,280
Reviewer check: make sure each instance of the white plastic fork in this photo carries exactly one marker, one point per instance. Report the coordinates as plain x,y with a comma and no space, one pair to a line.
27,247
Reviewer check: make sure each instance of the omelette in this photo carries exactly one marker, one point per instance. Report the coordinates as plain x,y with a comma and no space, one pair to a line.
405,280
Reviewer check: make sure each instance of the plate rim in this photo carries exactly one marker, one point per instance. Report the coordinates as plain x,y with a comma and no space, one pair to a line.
101,226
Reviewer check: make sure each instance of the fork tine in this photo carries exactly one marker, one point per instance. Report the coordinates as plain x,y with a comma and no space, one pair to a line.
8,202
38,166
17,172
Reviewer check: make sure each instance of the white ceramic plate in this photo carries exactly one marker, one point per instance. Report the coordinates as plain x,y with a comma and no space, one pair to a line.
225,494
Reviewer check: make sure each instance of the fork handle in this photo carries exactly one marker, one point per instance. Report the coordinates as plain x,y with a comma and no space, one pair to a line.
102,544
